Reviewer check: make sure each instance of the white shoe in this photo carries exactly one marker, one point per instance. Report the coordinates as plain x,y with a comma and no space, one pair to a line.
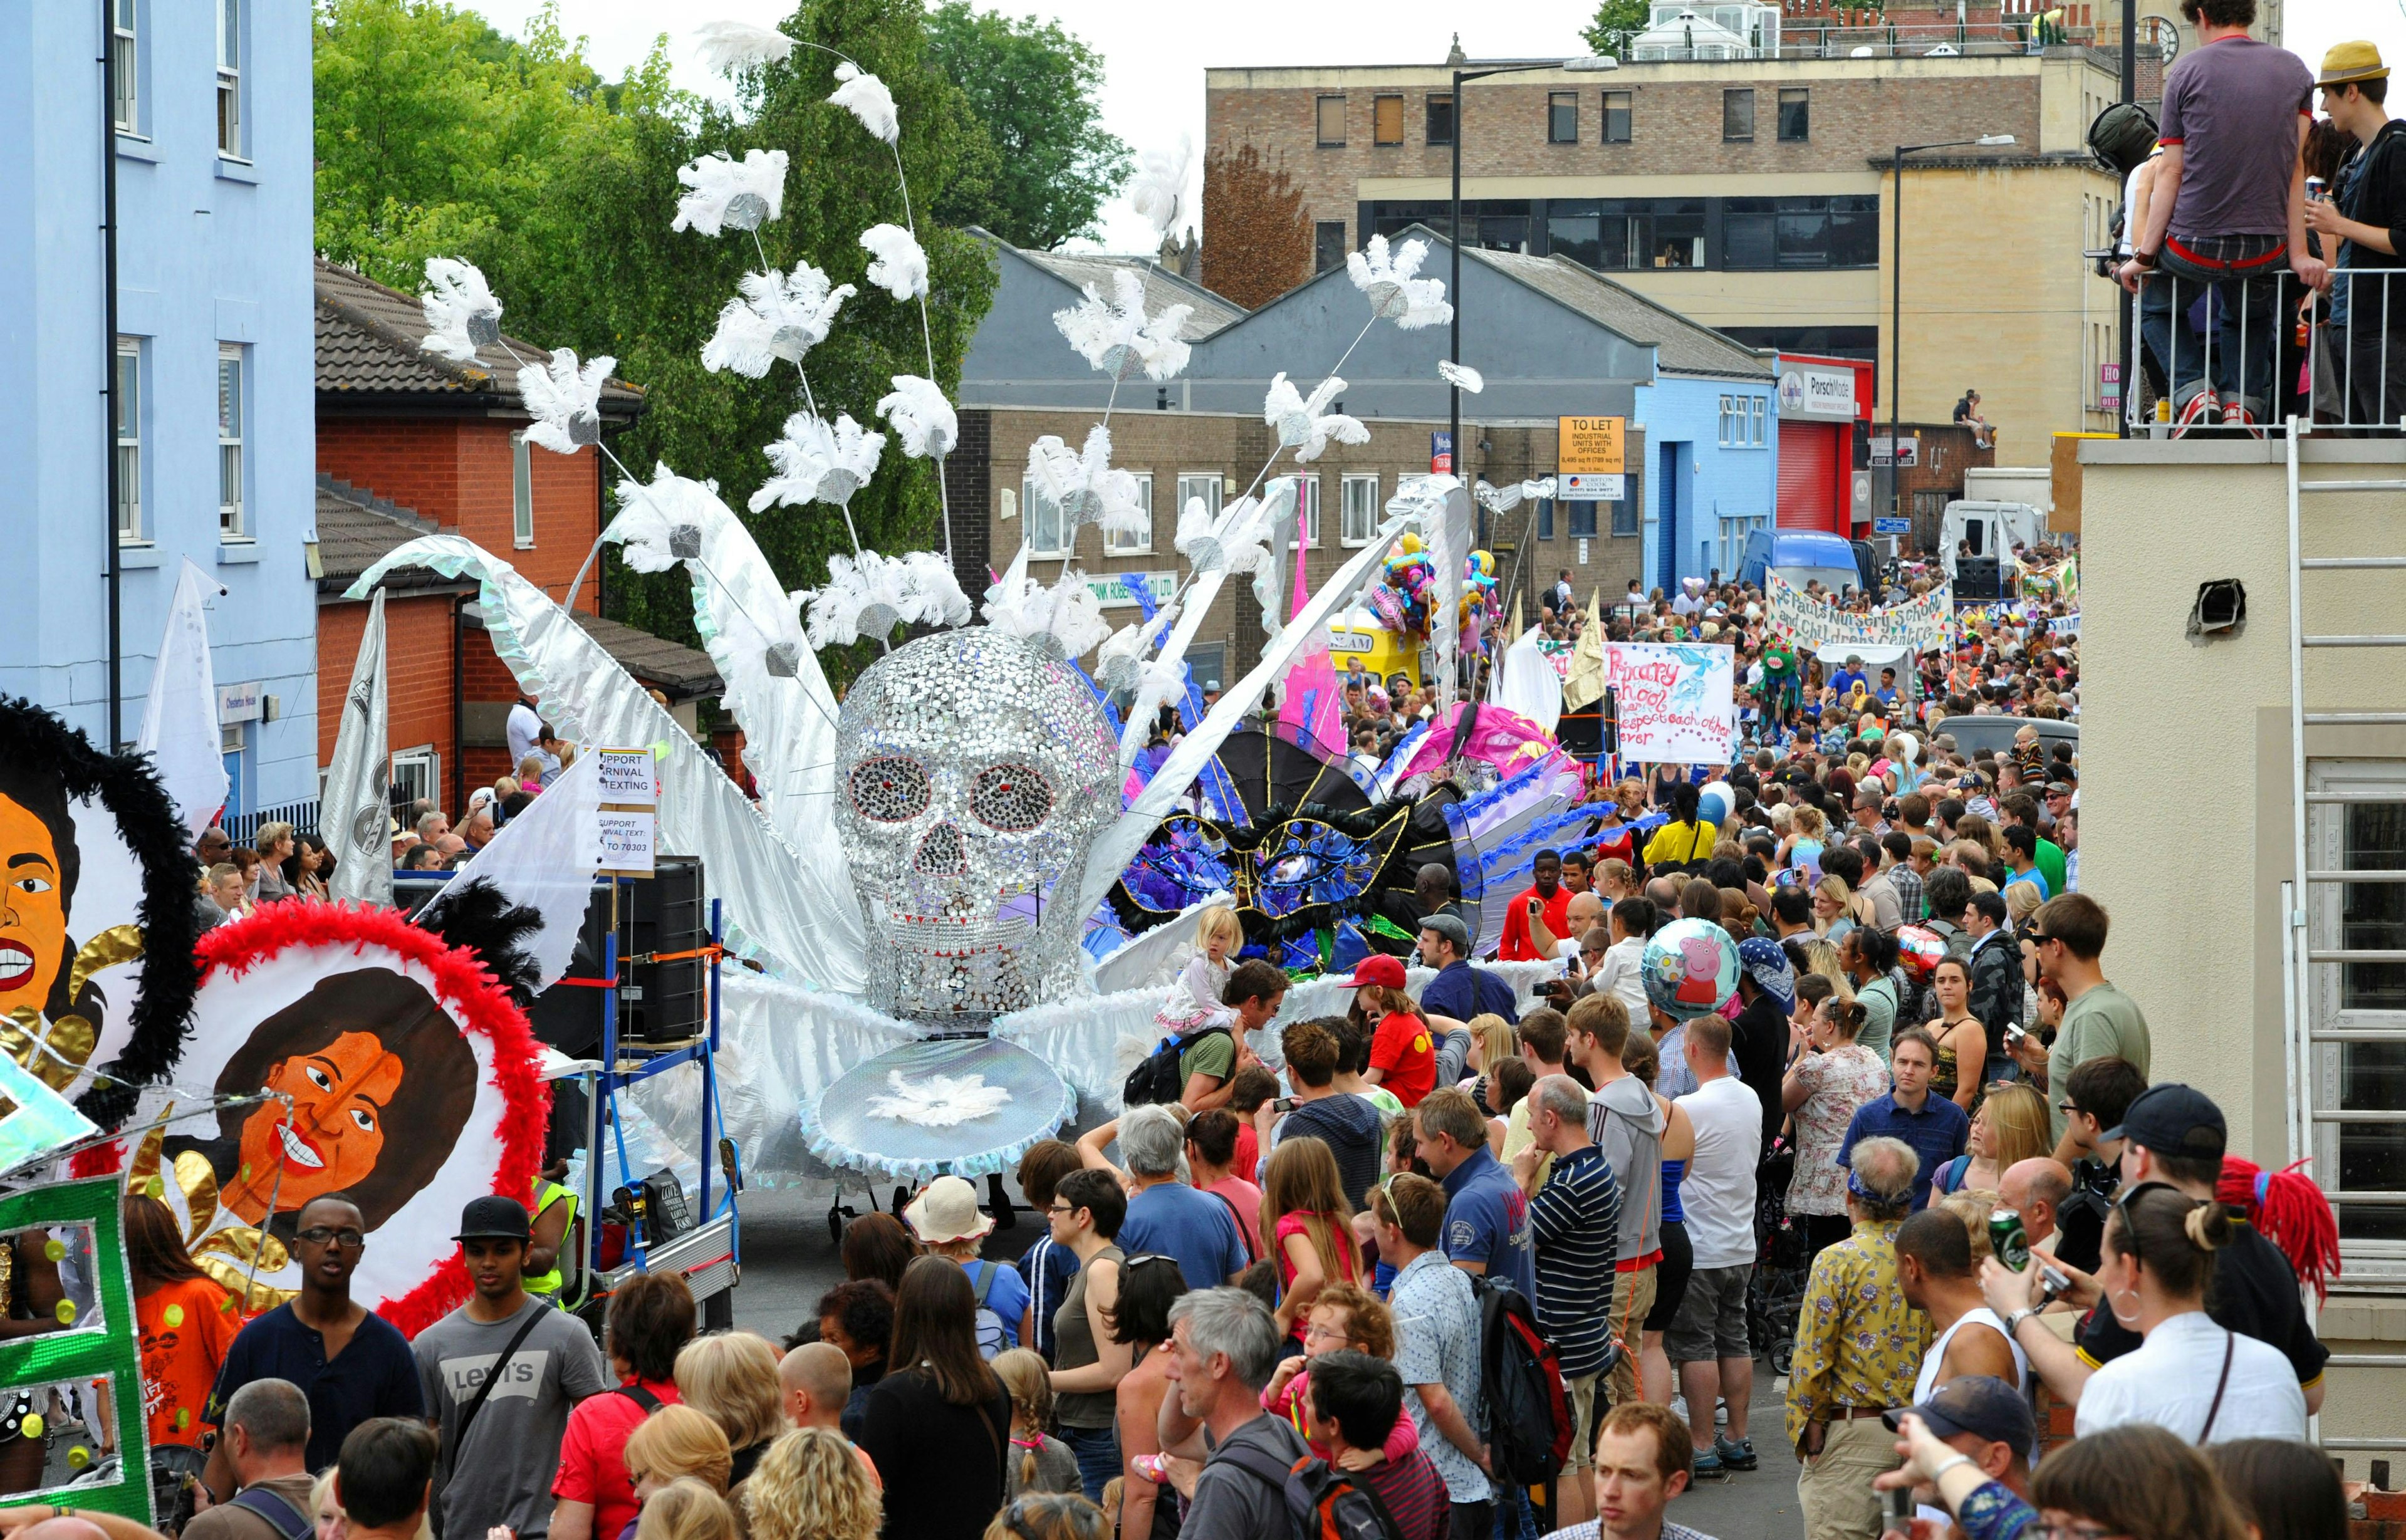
1720,1413
1679,1404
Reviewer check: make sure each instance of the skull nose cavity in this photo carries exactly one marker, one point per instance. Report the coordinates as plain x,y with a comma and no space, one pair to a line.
943,851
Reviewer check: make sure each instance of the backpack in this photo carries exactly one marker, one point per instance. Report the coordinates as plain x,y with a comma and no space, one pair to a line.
992,1337
1157,1080
1320,1504
1528,1415
2121,136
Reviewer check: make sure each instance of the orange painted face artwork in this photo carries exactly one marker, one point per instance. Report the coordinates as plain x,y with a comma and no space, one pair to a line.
339,1095
33,910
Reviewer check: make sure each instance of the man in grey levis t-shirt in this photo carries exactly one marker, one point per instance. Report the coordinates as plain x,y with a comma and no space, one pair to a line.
496,1466
1626,1122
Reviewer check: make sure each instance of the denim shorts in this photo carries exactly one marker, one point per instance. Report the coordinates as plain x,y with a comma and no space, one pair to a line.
1711,1323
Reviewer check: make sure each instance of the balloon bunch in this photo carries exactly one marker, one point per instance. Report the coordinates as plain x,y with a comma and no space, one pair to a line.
1407,590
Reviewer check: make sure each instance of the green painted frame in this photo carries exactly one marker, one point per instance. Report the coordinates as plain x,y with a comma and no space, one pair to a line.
112,1349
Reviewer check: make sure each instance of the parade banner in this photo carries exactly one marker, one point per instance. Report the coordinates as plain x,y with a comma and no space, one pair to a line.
1677,704
2049,583
1812,624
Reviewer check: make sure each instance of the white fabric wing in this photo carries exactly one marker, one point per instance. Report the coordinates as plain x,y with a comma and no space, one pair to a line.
545,859
179,716
355,808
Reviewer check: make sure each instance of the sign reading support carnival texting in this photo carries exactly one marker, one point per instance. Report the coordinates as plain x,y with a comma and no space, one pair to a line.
1678,705
1812,624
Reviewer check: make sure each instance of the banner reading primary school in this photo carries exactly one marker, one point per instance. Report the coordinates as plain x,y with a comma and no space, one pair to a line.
1677,704
1808,622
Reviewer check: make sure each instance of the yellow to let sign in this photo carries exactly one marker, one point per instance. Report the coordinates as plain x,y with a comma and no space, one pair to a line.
1590,444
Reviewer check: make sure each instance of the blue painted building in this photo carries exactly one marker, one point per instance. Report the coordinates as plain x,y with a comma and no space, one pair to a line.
208,130
1712,438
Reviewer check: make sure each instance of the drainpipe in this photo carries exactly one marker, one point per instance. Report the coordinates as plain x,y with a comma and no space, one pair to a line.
109,368
458,703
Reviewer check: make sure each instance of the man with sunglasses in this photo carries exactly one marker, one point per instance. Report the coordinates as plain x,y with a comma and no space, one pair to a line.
352,1364
2068,937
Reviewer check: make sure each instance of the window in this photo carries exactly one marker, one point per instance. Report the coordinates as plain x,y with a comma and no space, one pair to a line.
1582,520
521,493
1759,405
1624,513
1386,119
416,772
1742,422
1761,233
1332,121
1616,117
229,78
1440,119
1737,115
1140,542
1361,510
230,426
2365,1002
1723,437
125,110
1327,245
1306,489
1795,114
1561,117
1204,485
129,439
1043,530
1544,518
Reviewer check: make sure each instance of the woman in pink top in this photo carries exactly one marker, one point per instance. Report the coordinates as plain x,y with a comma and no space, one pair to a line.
1211,1157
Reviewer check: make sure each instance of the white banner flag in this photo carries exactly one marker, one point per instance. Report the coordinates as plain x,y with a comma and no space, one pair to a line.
179,719
545,859
355,811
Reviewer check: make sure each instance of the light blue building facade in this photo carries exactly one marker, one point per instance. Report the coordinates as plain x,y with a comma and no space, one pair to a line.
1712,446
210,134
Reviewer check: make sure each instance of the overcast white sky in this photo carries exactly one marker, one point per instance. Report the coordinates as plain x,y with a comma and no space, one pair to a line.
1154,55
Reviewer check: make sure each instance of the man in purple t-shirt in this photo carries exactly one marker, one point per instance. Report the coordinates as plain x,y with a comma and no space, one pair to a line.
2228,206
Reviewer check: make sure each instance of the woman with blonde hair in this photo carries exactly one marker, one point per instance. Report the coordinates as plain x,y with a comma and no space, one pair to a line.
1809,837
1039,1461
2011,1126
1821,960
274,847
673,1442
1837,908
1307,1226
685,1509
1491,1043
731,1378
811,1486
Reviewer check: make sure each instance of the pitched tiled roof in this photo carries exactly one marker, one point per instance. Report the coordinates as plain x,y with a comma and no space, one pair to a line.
355,529
368,344
1681,345
674,670
1162,289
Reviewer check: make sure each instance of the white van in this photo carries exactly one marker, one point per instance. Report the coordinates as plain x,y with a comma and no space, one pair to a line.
1988,529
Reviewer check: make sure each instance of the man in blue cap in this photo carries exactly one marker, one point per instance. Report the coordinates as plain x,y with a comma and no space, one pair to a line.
1987,1426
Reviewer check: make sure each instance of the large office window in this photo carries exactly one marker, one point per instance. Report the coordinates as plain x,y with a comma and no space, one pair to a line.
125,59
231,414
1758,233
1386,119
129,439
1327,245
1331,121
2361,1003
1305,490
1440,118
230,61
1616,116
1562,117
1544,518
1795,114
1134,542
1360,513
521,493
1582,519
1737,114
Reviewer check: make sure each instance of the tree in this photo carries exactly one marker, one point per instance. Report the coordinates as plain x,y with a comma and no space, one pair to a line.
1032,86
1261,237
1616,26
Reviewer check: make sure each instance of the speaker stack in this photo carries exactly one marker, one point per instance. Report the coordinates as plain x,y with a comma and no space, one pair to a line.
659,1001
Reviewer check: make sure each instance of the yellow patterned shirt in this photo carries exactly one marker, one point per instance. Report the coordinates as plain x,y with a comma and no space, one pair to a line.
1858,1342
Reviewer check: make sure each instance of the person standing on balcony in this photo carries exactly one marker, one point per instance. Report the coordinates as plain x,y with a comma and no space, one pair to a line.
2365,217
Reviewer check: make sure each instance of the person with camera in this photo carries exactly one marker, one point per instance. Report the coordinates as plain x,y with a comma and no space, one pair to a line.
2093,1098
1540,916
1966,1447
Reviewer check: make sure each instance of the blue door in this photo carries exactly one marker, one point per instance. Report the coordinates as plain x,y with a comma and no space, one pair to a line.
1668,526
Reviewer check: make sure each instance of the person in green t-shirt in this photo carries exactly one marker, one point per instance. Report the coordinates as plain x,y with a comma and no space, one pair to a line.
2099,1020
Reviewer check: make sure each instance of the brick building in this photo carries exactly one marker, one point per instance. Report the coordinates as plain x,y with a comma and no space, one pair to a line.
411,443
1752,195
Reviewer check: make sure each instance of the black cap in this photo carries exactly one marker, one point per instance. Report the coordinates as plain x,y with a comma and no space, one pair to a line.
2173,1120
494,1219
1982,1405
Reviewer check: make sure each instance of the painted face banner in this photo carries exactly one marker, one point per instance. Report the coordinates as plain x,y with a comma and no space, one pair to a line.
96,914
1917,622
1677,703
413,1088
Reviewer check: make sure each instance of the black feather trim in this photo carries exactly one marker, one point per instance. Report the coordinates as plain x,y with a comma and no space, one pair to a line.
477,915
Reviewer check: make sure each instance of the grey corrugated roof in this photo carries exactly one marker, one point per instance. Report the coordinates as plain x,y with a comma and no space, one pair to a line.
1162,289
368,344
1681,345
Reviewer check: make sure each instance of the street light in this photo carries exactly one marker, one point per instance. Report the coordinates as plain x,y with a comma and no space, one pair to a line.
1588,63
1896,303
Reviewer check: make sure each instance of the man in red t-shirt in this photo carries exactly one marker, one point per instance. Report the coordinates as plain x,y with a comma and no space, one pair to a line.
1550,899
1403,1052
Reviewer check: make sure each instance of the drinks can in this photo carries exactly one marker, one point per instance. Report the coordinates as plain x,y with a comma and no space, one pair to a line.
2007,1238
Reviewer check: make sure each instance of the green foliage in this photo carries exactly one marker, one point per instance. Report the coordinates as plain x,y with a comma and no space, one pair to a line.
1617,24
1050,163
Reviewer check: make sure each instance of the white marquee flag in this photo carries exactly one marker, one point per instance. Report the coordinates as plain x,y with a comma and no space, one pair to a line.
355,810
179,719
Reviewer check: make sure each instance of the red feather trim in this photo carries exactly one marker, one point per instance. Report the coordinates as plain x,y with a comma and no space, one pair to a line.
467,987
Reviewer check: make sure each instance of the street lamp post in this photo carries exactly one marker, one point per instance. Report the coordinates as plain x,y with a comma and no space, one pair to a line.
1896,303
1454,236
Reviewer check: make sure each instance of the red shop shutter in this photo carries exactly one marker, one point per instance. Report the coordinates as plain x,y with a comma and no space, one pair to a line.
1808,471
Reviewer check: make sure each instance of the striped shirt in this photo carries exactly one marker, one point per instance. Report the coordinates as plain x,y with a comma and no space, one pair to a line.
1576,1218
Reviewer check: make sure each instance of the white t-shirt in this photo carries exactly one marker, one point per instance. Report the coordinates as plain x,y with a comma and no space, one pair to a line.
1621,972
1719,1193
524,730
2170,1378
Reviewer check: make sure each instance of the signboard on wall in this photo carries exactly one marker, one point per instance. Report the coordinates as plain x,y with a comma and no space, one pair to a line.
1111,593
1440,453
1592,487
1591,445
1825,393
1908,451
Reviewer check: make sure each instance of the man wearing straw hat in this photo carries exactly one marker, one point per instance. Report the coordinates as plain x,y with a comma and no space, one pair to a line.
2362,222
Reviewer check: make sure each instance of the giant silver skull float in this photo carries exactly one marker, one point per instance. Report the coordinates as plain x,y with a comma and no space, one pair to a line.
975,772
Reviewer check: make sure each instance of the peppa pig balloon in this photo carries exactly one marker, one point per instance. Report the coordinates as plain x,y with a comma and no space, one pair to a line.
1690,968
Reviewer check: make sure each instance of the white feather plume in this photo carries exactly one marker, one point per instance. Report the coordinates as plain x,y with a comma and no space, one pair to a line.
921,418
1117,337
565,400
1304,423
723,195
1504,498
729,46
662,522
817,463
869,594
1088,489
778,316
1065,619
1157,191
1396,295
938,1101
1461,376
462,313
864,96
1246,526
1197,538
897,264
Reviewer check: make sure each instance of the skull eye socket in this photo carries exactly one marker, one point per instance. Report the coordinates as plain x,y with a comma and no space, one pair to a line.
891,790
1014,799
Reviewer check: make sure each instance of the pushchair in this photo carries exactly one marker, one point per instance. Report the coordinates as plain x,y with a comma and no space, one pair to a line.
1783,1262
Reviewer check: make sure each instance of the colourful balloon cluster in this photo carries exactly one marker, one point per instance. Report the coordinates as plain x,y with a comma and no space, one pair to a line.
1407,590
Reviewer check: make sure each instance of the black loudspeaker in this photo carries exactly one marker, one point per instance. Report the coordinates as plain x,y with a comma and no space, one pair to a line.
568,1016
665,1002
1979,577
